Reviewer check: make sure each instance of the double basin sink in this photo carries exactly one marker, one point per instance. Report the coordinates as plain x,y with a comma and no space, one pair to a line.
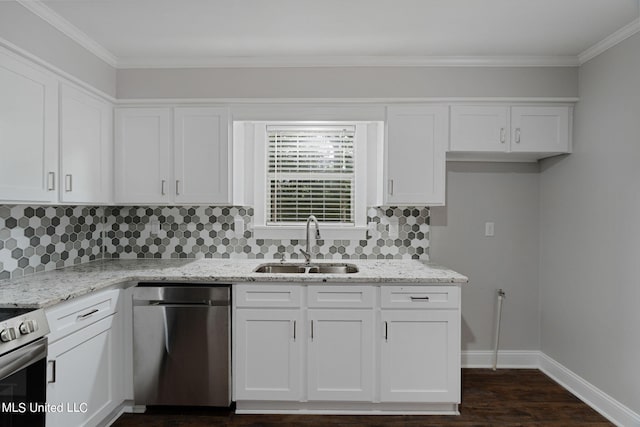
332,268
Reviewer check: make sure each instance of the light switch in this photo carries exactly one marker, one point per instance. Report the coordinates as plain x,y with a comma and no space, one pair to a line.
489,229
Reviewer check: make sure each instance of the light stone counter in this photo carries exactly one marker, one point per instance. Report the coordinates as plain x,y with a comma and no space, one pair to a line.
45,289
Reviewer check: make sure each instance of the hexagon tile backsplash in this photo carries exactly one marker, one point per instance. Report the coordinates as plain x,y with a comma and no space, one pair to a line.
39,238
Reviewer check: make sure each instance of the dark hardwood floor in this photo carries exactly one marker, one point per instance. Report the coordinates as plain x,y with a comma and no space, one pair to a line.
507,397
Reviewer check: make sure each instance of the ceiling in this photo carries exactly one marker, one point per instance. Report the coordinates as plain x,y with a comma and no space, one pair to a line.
139,33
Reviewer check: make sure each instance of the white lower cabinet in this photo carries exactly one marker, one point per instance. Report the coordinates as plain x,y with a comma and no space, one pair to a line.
340,355
420,357
346,348
84,362
267,354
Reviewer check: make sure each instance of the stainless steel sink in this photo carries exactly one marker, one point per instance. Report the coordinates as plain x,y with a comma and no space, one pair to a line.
280,268
332,268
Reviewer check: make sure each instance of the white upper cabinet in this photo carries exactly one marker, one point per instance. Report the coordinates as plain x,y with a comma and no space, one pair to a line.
151,167
28,132
415,148
540,129
86,146
142,154
479,128
487,132
201,155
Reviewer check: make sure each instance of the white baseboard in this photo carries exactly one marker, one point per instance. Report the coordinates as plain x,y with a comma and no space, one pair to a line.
518,359
606,405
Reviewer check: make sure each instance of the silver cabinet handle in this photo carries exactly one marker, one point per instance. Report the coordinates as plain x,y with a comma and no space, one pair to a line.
422,299
162,187
51,184
391,187
86,315
52,363
294,330
517,135
386,330
502,135
177,187
68,183
312,330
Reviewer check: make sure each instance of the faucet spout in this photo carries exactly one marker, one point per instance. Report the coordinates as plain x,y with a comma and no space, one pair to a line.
307,253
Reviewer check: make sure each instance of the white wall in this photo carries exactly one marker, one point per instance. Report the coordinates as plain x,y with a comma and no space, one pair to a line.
22,28
590,232
347,82
506,194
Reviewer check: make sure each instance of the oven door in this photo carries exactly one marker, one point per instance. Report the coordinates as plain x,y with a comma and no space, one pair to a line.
23,385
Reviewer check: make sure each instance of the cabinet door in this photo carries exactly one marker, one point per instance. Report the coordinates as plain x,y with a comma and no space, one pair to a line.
420,359
82,377
479,128
417,139
28,132
85,140
142,156
201,155
540,129
340,355
268,343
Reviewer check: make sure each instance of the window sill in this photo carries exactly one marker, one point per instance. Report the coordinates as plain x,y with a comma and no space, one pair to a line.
300,233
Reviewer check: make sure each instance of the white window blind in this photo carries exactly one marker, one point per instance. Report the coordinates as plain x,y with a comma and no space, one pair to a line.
311,171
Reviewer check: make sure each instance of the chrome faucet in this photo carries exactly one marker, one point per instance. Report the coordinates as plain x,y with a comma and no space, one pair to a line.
307,253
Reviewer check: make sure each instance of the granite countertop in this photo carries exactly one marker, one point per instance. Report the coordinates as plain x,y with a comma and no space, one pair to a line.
46,289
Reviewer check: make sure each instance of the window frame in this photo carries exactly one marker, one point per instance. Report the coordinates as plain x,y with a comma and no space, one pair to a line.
329,230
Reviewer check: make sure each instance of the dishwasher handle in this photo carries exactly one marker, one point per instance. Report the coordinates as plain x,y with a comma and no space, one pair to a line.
157,303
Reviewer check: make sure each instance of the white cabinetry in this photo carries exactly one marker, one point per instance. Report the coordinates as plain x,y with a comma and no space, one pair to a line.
479,128
86,146
201,155
415,150
152,167
85,358
540,129
420,356
526,132
142,155
267,353
340,355
28,132
377,347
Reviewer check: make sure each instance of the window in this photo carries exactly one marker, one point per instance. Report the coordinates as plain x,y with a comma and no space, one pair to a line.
311,171
304,169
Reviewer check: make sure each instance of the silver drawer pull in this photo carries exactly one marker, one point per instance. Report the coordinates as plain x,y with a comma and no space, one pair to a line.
52,378
423,299
84,316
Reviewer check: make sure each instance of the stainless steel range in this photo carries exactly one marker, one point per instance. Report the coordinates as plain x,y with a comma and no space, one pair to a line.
23,355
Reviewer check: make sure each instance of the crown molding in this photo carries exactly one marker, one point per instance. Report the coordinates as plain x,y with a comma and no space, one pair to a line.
74,33
20,53
349,61
48,15
609,41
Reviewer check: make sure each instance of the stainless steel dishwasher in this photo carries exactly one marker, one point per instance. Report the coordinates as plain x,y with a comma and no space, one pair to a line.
181,344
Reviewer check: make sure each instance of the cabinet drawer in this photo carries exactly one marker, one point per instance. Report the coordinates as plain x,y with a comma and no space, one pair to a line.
76,314
268,295
328,296
420,297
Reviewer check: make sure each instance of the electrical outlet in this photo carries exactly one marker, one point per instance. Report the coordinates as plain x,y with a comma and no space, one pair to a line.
238,226
155,228
489,229
393,230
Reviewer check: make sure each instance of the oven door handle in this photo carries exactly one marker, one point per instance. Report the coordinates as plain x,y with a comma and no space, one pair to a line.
23,357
